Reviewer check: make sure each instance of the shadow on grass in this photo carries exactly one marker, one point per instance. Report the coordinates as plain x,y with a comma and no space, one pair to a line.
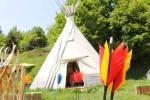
139,69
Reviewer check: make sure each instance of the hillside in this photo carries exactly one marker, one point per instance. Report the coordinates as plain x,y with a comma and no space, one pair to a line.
36,57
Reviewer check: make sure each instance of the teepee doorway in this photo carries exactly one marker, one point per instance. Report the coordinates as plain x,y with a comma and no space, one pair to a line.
73,68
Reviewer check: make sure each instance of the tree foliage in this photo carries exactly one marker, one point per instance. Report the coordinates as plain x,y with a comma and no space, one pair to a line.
14,36
0,30
2,39
35,38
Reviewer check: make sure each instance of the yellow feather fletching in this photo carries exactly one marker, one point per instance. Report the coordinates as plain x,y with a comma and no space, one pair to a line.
105,64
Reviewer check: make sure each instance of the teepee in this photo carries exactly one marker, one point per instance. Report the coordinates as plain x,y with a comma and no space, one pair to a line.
71,50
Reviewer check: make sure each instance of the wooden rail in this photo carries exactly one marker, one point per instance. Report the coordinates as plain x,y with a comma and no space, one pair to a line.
143,89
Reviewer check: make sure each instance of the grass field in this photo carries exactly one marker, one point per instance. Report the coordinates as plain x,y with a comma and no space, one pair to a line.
126,92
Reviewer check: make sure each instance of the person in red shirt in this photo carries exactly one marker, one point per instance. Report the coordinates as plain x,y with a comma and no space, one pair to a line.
77,77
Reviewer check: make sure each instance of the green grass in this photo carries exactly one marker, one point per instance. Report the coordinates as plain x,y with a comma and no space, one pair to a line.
126,92
36,57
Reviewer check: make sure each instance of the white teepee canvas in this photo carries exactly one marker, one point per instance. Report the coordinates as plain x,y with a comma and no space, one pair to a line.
71,46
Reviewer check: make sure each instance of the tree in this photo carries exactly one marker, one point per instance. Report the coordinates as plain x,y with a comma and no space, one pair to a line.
35,38
0,30
14,36
2,39
132,23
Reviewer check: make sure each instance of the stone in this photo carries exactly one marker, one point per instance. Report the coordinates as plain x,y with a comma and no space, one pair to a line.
148,75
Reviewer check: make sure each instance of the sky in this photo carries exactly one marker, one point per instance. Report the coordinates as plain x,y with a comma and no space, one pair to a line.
25,14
